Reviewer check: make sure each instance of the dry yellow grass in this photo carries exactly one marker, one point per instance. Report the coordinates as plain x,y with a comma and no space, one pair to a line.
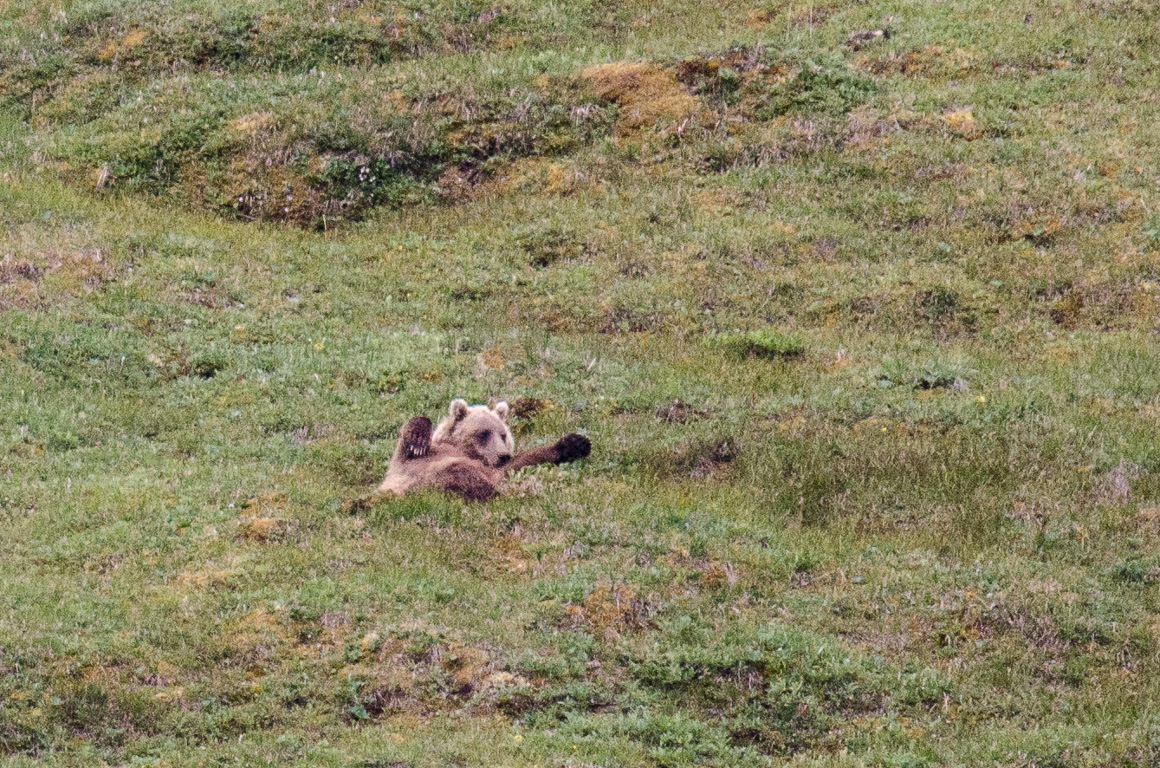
647,95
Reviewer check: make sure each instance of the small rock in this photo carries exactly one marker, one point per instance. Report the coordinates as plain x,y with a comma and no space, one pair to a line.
860,38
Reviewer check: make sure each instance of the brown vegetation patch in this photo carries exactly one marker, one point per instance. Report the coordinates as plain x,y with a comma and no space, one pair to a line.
696,70
120,50
1115,487
212,573
26,281
1148,521
961,122
758,17
423,679
259,186
611,611
507,555
697,459
476,32
530,407
526,410
1035,225
1029,65
255,635
645,94
1106,306
945,310
864,125
678,412
262,528
931,61
557,176
703,571
260,520
1039,631
625,319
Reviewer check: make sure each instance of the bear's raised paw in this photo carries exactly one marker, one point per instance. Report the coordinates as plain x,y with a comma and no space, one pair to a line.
573,448
417,437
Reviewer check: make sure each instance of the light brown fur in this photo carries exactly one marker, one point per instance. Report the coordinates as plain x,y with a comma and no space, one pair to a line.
468,454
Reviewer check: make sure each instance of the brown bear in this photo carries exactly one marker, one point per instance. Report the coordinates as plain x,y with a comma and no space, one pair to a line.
468,454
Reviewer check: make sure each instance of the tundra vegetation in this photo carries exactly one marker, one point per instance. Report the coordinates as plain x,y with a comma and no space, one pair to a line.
862,327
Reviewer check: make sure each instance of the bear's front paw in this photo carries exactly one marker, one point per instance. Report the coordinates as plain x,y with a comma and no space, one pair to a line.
573,448
417,437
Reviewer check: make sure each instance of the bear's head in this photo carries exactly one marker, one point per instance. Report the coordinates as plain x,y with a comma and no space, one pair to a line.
479,430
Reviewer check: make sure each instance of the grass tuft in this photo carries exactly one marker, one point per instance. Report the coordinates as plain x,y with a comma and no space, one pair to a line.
764,342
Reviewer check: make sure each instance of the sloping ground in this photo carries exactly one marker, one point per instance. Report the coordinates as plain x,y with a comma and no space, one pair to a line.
862,327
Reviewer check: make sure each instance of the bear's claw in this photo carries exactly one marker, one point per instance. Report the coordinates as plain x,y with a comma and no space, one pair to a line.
417,437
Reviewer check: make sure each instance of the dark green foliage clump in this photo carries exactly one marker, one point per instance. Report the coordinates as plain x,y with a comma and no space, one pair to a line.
764,342
820,89
547,246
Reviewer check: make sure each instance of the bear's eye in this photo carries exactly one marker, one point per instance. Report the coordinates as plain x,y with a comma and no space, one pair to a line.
481,437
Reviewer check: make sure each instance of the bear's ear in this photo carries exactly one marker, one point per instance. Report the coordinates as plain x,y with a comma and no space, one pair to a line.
458,409
501,410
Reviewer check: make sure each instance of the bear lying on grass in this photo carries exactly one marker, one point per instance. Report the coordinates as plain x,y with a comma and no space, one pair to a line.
468,454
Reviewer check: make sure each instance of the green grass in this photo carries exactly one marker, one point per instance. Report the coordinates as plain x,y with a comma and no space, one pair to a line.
764,342
864,338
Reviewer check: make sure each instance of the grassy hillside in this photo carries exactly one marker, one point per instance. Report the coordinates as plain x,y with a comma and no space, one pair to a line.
862,328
